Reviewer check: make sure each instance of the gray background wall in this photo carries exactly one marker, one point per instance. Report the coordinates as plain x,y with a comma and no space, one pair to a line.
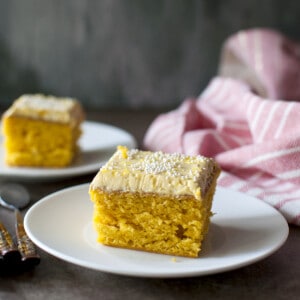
124,53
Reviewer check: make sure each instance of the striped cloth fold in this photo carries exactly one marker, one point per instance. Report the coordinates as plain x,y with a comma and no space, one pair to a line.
255,139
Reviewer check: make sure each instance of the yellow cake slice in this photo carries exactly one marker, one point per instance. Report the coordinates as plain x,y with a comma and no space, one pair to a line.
42,131
153,201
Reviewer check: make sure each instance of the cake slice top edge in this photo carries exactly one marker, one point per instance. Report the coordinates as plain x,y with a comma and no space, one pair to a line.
140,171
47,108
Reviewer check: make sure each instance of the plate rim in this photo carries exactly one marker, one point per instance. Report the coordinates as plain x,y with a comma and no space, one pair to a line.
147,274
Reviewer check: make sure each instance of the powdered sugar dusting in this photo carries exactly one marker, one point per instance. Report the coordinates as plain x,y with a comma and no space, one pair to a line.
174,165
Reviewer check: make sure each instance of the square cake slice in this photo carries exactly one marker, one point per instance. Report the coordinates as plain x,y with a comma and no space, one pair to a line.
154,201
42,131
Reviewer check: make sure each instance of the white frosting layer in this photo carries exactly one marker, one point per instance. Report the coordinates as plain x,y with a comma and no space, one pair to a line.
148,172
48,108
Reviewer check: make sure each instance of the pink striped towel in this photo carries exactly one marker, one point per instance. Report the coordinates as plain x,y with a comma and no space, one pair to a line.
254,136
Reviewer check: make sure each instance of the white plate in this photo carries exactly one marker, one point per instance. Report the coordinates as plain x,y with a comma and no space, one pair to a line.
243,230
97,143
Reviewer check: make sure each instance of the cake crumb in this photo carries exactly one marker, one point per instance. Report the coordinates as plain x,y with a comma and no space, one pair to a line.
174,259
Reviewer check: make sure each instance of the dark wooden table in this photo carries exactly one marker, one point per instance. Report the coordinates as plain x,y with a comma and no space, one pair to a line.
275,277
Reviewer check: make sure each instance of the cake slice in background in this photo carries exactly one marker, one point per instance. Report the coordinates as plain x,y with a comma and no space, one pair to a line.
42,131
153,201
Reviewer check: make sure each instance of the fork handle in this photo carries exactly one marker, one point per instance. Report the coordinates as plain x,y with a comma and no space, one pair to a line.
26,246
8,249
